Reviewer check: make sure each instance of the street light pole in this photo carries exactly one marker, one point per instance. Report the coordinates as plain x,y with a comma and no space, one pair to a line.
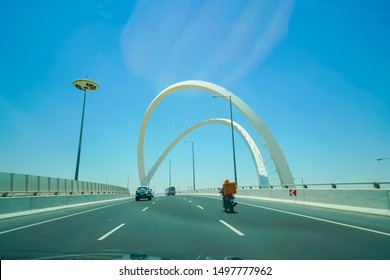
232,128
170,172
128,180
193,163
84,85
148,176
234,150
76,176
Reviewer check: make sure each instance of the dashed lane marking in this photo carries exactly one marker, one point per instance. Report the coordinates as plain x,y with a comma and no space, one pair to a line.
232,228
110,232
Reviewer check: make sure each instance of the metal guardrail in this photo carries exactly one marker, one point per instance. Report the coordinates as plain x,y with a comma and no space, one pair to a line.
356,185
19,194
12,185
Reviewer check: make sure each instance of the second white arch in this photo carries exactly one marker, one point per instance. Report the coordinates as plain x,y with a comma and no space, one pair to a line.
263,132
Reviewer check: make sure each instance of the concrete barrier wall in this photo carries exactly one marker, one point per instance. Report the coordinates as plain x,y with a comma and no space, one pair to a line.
17,204
47,201
357,198
371,201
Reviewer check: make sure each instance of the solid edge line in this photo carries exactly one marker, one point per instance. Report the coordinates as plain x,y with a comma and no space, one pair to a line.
110,232
60,218
54,208
365,210
232,228
318,219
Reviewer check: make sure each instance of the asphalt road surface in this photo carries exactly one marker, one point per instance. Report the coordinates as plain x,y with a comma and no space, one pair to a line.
192,227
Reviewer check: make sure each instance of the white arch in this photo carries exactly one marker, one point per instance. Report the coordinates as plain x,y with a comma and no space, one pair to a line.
270,143
255,153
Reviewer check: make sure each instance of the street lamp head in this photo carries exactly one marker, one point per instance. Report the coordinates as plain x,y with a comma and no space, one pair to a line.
85,84
223,96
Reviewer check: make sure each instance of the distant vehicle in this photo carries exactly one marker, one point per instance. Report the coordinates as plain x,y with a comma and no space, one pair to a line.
170,191
143,192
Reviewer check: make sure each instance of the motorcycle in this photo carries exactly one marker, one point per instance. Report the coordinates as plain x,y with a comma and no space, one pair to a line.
228,203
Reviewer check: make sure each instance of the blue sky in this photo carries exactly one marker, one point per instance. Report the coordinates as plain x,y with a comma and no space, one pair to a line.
316,72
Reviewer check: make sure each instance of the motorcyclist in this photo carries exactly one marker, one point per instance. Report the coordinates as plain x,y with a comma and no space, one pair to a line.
226,196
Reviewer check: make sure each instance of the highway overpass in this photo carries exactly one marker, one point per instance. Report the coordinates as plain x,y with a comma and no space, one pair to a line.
195,226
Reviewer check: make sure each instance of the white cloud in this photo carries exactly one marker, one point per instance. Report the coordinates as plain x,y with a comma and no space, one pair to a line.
168,41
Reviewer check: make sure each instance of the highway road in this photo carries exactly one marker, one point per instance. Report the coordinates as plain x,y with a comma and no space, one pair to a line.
191,227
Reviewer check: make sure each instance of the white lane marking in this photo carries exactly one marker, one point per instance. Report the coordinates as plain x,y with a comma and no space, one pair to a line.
154,202
145,209
110,232
189,200
200,207
318,219
232,228
60,218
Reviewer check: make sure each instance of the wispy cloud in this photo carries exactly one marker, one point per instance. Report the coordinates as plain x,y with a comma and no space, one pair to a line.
220,41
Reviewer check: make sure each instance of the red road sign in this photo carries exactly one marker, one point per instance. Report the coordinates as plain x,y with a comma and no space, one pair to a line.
293,192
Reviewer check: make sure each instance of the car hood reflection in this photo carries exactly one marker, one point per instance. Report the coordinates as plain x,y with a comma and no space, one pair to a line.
101,255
